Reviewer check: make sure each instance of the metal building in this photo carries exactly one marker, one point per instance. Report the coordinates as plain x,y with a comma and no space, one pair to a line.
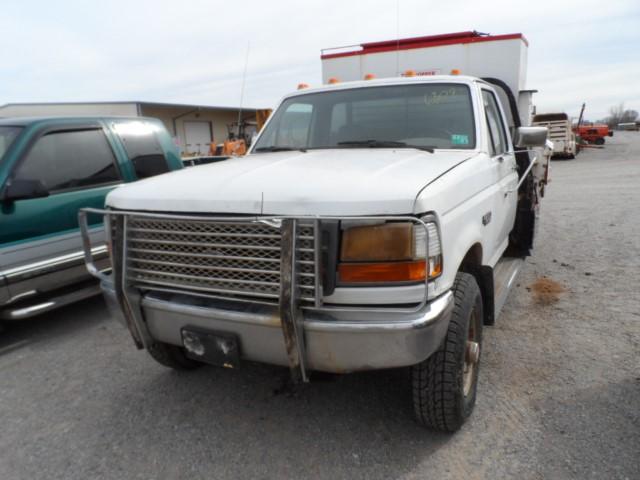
194,127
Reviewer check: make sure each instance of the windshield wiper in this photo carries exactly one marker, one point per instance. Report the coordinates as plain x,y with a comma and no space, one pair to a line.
382,144
372,143
275,148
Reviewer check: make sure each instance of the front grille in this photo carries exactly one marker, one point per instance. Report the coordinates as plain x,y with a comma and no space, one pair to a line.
228,259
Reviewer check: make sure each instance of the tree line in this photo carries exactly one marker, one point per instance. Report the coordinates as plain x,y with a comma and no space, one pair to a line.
618,114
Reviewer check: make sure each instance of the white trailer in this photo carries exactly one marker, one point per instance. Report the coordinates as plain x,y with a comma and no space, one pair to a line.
560,133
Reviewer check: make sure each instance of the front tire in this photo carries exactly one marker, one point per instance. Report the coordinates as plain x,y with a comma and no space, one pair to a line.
444,385
172,356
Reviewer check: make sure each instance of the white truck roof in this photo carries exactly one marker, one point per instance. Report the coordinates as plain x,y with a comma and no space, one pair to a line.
379,82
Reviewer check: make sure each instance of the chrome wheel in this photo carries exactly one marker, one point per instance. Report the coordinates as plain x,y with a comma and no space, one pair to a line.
471,354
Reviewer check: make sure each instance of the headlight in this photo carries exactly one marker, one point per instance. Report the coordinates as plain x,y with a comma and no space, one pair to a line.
390,252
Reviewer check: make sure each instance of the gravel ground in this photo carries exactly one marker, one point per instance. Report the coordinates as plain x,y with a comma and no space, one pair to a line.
559,393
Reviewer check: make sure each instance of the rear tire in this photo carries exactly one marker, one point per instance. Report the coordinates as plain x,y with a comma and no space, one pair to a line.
172,356
599,141
444,385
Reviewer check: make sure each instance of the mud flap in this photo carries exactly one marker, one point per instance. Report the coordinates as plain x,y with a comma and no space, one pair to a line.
524,229
536,177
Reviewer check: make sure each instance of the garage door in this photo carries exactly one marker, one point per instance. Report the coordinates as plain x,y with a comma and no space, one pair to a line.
197,137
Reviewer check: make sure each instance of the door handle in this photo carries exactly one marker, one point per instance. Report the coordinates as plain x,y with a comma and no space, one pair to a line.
500,159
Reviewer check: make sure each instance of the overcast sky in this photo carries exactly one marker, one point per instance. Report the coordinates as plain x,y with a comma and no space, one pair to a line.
193,51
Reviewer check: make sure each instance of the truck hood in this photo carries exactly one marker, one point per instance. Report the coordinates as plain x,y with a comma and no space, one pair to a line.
316,182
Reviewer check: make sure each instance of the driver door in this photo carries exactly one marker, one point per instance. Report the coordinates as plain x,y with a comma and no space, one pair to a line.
40,244
504,163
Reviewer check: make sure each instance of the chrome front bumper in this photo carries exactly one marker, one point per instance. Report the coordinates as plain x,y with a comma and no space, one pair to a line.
337,342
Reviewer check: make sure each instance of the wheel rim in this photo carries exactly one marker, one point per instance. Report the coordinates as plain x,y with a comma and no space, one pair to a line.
471,354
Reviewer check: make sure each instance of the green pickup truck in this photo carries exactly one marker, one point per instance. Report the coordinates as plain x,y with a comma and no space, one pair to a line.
50,168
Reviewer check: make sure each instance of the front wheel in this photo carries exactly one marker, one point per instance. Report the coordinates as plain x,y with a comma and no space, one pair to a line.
172,356
444,385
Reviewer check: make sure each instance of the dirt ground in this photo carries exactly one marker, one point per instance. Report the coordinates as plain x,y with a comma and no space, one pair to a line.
559,392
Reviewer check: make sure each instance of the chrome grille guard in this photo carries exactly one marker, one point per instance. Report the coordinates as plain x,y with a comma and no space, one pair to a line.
257,259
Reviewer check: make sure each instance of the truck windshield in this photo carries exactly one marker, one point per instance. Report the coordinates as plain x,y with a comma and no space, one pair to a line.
7,136
435,115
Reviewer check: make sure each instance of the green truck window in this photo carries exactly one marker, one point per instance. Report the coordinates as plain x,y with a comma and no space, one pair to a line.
7,136
70,159
142,148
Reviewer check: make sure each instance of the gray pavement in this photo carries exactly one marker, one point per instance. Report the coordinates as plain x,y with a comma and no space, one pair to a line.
559,393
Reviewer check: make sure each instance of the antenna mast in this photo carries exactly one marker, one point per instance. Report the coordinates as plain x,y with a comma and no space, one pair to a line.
397,37
244,77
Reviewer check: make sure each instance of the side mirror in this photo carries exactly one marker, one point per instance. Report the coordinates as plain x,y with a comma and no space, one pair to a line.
531,136
23,190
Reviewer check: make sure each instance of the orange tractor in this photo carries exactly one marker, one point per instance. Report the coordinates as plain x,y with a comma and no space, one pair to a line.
240,136
594,133
590,134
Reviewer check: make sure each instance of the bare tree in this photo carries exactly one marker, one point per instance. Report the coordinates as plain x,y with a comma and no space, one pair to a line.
629,116
618,114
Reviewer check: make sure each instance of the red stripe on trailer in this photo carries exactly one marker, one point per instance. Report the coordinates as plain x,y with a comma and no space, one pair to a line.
428,38
425,42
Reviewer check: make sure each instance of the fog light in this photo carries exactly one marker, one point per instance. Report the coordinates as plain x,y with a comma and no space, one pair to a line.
192,343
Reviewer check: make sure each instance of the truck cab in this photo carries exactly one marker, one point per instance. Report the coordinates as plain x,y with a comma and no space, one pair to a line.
49,169
374,224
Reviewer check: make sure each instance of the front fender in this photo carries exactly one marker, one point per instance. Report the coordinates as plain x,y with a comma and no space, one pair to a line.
457,241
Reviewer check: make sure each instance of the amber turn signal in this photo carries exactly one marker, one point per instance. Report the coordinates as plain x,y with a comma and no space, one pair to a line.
383,272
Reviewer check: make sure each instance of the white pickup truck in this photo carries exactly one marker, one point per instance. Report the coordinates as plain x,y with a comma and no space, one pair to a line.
374,224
